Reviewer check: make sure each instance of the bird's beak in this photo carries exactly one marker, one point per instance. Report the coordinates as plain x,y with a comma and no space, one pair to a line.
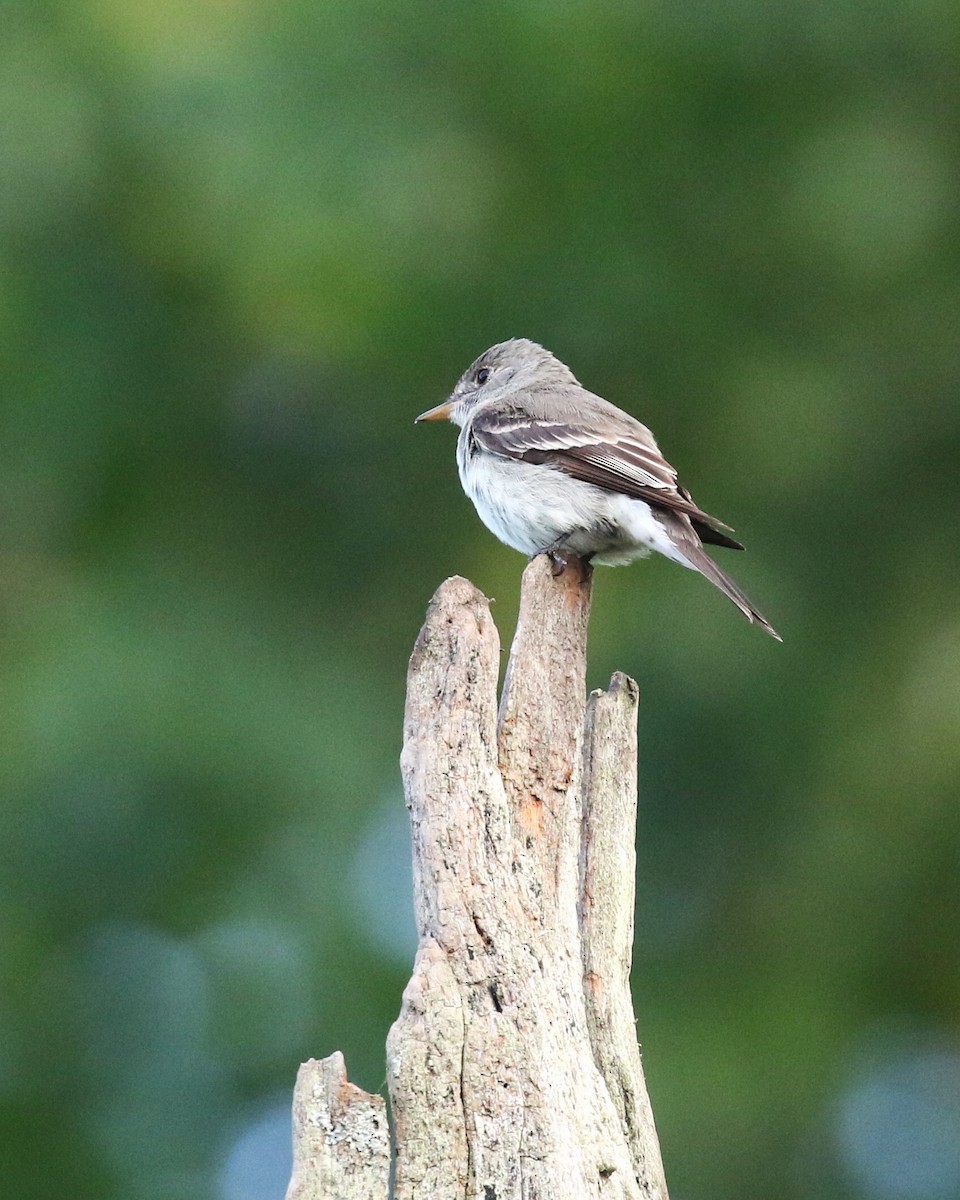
440,413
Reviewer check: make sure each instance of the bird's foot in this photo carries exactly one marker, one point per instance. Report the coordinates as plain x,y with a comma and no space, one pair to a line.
558,561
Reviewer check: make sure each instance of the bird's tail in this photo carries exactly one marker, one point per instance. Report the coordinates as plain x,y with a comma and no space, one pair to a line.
702,562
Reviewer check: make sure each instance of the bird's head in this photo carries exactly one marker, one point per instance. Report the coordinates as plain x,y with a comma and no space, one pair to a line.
499,373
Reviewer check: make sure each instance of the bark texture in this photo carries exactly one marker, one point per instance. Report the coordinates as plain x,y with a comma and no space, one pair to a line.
341,1140
513,1067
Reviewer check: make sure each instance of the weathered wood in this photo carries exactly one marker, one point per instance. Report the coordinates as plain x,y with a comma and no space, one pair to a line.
341,1140
496,809
607,894
425,1053
513,1067
540,730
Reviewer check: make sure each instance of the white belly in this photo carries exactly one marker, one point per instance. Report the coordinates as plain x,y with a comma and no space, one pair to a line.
533,507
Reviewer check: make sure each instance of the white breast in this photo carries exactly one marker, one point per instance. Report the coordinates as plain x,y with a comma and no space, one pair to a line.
531,507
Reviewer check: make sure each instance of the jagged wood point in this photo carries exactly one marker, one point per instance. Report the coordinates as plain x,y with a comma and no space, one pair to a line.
513,1067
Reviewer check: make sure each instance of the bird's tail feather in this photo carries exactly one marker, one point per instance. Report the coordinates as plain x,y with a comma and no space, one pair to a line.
702,562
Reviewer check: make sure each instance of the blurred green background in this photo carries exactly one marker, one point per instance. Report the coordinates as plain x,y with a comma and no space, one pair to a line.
243,244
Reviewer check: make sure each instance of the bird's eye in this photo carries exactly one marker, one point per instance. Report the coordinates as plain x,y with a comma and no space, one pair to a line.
483,375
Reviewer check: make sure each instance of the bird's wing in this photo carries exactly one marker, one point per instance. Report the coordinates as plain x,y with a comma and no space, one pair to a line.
620,457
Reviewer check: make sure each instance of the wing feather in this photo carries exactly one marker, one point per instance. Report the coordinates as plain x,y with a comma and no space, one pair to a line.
625,459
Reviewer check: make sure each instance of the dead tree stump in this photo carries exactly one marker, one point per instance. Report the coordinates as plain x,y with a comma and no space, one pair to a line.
513,1067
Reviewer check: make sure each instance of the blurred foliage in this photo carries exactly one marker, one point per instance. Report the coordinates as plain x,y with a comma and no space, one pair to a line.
242,245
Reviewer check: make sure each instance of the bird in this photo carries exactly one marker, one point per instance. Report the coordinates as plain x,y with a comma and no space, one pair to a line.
552,468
